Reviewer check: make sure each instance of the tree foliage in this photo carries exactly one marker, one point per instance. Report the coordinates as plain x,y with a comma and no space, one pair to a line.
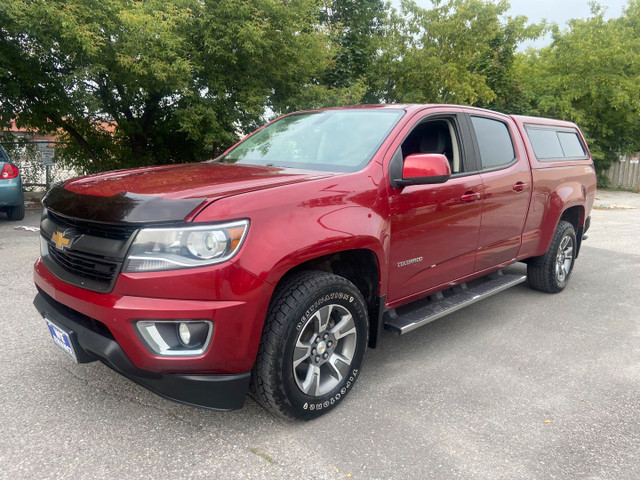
355,27
590,74
132,82
145,82
459,51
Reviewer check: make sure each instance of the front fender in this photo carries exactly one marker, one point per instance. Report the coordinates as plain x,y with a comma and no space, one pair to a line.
297,223
312,236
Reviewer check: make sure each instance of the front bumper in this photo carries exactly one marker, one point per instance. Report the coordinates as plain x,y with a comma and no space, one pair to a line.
237,323
218,392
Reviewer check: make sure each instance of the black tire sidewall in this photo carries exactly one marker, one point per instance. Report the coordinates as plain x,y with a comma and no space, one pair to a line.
305,406
16,213
566,229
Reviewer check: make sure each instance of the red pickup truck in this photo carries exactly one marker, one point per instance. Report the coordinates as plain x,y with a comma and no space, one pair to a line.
272,268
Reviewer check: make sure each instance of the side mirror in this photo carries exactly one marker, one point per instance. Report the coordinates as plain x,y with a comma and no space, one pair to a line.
424,168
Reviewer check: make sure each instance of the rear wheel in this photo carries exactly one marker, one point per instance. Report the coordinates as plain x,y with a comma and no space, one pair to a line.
550,272
312,347
16,213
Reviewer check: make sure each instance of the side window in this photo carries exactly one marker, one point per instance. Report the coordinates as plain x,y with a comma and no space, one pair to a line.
435,136
571,145
546,143
555,144
494,142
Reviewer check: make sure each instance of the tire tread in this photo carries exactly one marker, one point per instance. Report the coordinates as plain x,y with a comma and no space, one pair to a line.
540,270
16,212
266,385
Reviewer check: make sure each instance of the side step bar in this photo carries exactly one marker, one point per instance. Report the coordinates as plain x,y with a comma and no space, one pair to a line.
409,317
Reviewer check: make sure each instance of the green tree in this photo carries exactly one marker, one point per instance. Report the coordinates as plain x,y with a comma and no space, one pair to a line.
354,27
590,74
147,82
459,51
498,65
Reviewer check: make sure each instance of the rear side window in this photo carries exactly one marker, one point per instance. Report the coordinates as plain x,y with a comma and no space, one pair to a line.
494,142
555,144
571,145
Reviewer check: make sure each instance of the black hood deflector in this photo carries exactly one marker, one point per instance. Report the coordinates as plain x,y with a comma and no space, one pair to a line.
124,207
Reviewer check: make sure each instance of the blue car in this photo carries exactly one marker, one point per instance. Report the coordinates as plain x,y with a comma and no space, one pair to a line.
11,196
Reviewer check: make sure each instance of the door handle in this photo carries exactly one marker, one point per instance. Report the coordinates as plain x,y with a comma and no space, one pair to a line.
470,197
519,187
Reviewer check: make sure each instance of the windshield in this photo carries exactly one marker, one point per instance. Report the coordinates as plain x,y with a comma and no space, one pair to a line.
333,140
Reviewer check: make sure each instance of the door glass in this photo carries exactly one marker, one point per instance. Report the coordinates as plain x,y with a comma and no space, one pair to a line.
435,136
494,142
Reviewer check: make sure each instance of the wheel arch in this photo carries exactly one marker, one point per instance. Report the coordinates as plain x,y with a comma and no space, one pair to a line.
565,203
575,216
362,268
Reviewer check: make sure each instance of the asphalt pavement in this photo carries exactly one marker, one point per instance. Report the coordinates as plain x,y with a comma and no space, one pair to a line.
523,385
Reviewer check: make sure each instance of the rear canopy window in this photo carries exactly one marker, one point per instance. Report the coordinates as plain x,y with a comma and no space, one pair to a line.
571,145
494,142
332,140
555,144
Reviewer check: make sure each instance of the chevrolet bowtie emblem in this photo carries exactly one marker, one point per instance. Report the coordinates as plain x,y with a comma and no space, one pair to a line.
60,240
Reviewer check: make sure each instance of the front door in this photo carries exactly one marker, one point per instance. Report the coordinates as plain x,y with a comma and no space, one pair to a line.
434,228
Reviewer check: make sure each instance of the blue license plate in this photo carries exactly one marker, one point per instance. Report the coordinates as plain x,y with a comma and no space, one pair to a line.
61,339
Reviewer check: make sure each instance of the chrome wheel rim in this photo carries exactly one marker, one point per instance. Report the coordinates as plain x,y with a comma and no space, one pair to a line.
324,350
564,258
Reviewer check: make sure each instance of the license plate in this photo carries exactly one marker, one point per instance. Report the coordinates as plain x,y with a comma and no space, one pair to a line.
62,340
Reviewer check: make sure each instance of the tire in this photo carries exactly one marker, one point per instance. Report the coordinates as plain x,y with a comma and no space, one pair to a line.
312,346
551,272
16,213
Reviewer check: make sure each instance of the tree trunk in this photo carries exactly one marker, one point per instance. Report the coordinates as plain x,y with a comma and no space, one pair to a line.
77,137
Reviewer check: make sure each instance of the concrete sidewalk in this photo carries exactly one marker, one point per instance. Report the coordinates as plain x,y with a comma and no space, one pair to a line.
616,199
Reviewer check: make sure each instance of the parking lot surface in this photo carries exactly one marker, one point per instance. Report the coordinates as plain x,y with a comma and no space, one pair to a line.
521,385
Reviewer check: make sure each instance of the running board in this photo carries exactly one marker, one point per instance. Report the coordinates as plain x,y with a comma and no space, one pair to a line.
409,317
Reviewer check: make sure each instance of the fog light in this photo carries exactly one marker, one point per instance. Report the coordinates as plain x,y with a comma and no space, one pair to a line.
177,337
185,334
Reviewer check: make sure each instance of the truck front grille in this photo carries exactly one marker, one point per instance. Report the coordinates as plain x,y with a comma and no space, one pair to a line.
92,257
84,265
104,230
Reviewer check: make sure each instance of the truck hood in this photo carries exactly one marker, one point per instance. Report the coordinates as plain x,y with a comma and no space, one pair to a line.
194,180
163,194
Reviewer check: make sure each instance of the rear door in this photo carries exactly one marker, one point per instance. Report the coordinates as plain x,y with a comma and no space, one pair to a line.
506,178
434,228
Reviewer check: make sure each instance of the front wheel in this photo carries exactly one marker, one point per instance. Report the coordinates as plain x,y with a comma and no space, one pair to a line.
312,347
550,272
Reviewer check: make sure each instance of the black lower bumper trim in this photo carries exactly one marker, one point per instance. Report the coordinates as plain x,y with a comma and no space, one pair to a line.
217,392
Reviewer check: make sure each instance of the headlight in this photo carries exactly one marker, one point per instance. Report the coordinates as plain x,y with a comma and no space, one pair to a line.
171,248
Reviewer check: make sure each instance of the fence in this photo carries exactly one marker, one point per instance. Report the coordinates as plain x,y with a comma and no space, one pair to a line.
35,158
625,174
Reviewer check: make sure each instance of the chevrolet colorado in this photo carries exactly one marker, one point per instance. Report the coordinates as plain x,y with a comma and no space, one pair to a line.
272,268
